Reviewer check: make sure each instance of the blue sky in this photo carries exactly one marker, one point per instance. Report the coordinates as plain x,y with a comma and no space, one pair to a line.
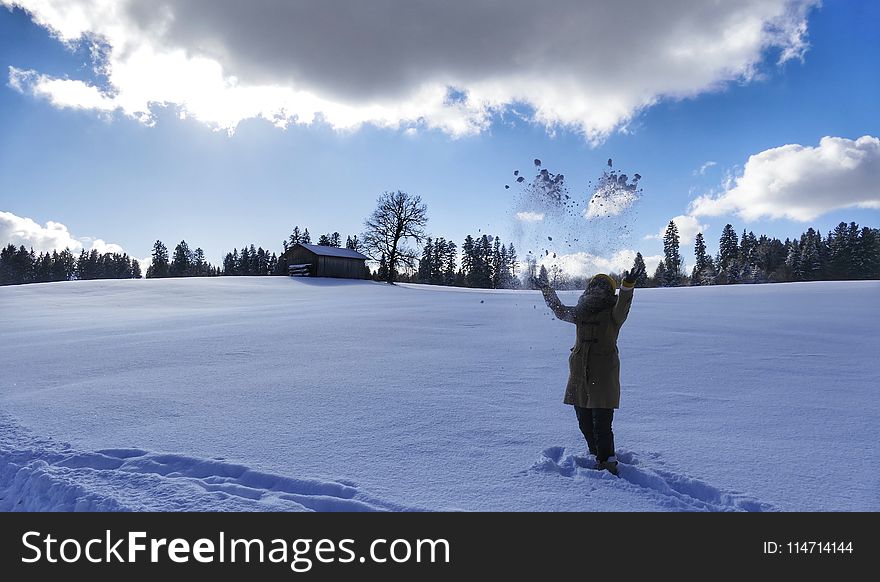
109,176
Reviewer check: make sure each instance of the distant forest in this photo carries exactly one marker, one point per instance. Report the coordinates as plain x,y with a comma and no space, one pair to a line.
20,265
848,252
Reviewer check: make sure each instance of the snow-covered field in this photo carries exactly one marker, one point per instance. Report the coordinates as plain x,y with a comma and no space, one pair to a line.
274,393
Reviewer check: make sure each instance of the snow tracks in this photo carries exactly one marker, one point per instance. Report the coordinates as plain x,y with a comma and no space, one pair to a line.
670,490
44,475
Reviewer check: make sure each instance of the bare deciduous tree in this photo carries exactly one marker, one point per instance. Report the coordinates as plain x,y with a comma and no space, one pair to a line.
398,216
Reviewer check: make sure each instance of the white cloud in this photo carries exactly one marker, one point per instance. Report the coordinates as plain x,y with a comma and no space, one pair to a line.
62,93
24,231
55,236
104,247
801,182
701,171
589,66
530,216
585,264
688,227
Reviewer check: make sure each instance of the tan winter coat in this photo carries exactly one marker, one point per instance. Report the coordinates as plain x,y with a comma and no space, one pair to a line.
594,365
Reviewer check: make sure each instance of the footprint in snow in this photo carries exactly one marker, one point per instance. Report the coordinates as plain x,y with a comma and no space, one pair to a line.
677,491
41,475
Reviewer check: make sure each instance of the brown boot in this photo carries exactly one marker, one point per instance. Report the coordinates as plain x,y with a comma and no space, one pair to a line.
610,466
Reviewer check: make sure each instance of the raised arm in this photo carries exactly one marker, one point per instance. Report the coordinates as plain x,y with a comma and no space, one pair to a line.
625,297
624,301
561,311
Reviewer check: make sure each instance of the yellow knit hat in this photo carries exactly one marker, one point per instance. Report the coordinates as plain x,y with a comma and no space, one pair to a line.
607,278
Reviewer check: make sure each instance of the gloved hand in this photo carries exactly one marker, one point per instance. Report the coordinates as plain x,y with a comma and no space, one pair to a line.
539,284
630,277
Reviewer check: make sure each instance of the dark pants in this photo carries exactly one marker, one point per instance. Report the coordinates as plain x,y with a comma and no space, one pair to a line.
595,423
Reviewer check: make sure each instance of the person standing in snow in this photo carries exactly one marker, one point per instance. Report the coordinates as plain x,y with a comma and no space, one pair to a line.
594,366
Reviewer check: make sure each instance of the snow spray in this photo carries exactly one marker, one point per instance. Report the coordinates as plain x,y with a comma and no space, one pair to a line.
556,227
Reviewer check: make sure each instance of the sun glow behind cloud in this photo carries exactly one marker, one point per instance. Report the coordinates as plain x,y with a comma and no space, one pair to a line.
348,63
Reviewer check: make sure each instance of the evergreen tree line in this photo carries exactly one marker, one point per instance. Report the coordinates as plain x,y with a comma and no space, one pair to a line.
848,252
20,265
184,263
555,276
333,239
437,265
251,261
486,263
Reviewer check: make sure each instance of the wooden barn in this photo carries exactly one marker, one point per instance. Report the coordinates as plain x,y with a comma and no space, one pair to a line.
322,261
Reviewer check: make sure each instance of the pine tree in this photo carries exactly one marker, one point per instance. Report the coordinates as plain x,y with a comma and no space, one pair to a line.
639,267
262,262
22,266
811,255
775,259
244,262
483,263
660,275
324,241
744,256
867,254
748,271
68,264
842,243
82,266
159,267
7,269
181,264
672,257
335,240
438,260
728,250
254,267
425,263
135,269
306,238
43,268
467,257
200,266
495,264
295,236
700,259
449,276
29,262
56,272
793,260
503,274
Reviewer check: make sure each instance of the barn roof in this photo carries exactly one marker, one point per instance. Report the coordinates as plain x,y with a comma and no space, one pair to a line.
333,251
